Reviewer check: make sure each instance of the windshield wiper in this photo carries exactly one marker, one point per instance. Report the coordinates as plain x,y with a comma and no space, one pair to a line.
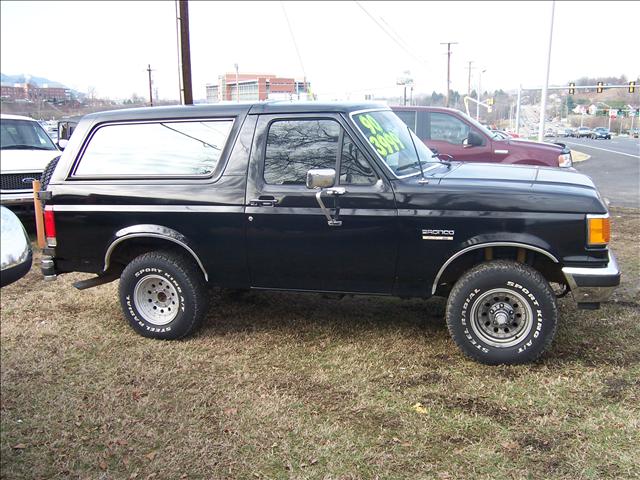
444,162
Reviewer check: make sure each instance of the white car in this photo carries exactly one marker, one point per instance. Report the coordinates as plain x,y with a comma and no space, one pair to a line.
26,151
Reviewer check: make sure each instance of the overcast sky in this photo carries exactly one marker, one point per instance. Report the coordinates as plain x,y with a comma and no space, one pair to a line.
344,52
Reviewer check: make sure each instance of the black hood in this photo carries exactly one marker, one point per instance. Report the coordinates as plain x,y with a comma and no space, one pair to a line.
496,187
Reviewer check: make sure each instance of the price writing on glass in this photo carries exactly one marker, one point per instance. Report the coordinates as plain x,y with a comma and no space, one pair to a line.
386,143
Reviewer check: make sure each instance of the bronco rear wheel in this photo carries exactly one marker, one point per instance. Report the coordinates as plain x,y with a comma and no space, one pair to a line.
163,295
502,312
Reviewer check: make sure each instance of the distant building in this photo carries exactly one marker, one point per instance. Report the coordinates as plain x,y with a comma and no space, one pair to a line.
256,87
30,91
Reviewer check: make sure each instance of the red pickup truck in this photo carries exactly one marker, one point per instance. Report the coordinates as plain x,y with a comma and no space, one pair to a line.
452,132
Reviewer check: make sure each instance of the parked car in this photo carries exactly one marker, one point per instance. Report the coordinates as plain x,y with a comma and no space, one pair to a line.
635,133
584,132
454,133
566,132
601,132
312,197
15,248
26,150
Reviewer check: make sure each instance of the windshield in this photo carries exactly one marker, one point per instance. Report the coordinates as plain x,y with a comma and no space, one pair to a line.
24,135
393,141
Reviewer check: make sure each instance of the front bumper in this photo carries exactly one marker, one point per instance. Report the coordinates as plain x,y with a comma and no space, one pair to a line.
593,285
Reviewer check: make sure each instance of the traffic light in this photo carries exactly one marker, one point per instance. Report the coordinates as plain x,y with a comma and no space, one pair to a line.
572,88
599,89
632,87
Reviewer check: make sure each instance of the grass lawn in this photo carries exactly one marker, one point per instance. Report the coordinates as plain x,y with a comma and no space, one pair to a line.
298,386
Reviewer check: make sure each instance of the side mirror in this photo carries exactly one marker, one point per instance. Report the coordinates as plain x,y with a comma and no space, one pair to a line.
321,178
474,139
62,143
15,248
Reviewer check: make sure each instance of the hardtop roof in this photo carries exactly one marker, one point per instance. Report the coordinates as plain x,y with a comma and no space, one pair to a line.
231,109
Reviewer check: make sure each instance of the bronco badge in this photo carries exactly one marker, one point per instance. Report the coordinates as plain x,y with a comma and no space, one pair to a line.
438,234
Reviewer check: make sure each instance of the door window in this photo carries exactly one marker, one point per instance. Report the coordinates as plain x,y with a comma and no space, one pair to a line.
354,168
408,117
296,146
447,128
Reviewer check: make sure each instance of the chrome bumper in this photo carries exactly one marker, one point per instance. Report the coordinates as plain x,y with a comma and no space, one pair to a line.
20,198
593,285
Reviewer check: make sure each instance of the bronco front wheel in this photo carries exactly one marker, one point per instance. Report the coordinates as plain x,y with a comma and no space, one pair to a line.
502,312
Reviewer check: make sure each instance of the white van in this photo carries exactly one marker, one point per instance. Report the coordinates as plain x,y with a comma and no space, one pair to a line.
26,149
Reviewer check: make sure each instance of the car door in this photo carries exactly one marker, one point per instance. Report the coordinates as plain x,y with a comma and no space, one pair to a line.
290,244
448,134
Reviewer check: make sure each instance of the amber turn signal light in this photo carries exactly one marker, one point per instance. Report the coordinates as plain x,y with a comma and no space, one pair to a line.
599,231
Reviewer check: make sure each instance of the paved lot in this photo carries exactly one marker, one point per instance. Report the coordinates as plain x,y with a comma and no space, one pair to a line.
614,166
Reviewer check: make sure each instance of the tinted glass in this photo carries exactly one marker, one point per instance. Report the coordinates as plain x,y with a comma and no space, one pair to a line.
296,146
148,149
354,168
447,128
407,117
23,135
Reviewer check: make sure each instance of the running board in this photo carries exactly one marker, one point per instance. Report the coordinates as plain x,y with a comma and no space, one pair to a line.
95,281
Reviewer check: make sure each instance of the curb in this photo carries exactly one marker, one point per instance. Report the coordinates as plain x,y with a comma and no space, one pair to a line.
577,156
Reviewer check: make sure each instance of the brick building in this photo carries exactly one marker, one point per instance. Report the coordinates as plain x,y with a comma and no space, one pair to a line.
256,87
29,91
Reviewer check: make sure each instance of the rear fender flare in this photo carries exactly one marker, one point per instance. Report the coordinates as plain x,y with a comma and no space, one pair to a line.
152,231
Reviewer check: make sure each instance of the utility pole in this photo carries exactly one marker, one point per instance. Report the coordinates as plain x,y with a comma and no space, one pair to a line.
150,83
185,53
543,100
448,44
469,81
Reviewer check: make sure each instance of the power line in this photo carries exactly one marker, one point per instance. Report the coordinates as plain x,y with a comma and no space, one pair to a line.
295,44
396,41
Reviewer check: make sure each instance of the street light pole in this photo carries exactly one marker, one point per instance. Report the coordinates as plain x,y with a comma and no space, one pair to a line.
237,84
150,91
480,72
543,100
518,110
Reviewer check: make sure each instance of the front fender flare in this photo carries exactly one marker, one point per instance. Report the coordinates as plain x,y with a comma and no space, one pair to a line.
486,244
151,231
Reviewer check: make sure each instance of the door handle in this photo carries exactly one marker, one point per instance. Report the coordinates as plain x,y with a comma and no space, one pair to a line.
263,201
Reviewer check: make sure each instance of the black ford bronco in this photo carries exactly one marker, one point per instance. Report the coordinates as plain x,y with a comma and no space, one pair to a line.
313,197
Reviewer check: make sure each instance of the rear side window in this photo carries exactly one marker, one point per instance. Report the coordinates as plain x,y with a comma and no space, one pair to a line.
151,149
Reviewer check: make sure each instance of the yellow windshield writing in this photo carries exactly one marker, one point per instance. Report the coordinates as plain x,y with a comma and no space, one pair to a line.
385,142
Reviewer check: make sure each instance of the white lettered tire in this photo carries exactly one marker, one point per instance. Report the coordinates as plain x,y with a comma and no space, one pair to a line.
502,312
163,295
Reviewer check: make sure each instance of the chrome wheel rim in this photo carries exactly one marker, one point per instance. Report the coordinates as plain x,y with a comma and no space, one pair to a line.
501,318
156,299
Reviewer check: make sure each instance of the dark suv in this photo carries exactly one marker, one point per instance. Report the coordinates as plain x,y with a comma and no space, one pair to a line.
340,198
454,133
